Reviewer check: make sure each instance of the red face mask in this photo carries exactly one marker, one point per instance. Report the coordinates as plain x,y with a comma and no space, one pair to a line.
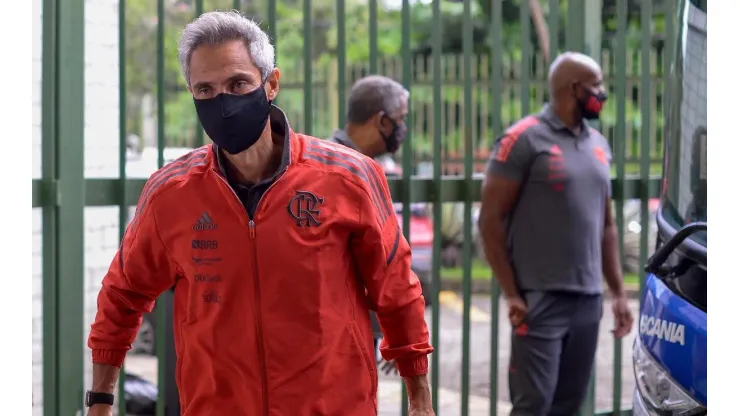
591,106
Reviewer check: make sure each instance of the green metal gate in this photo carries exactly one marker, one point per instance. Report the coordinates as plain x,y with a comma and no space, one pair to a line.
460,100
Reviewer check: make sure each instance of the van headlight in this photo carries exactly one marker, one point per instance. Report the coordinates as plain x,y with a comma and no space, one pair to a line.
657,389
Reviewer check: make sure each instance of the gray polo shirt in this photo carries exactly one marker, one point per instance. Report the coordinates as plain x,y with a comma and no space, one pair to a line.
340,136
556,228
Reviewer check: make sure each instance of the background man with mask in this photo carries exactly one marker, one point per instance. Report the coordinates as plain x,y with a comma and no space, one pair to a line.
376,117
276,243
549,235
376,114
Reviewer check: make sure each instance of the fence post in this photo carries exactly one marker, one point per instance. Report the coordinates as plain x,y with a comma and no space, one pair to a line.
592,28
331,85
63,150
575,32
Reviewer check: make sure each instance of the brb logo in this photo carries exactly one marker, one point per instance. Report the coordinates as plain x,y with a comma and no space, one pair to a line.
204,244
304,208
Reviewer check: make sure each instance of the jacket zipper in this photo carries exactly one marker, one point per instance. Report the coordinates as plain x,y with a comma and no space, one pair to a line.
258,314
257,303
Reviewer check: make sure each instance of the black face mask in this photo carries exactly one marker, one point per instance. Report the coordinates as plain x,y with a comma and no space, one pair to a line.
392,141
590,107
234,122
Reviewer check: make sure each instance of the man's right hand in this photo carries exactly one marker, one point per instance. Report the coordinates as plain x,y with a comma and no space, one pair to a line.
517,309
100,410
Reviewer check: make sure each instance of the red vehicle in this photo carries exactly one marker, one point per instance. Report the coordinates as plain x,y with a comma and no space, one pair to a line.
421,232
421,238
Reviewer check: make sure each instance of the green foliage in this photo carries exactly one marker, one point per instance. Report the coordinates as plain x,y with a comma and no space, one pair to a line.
180,121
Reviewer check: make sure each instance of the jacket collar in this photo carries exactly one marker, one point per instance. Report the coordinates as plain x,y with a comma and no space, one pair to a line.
280,125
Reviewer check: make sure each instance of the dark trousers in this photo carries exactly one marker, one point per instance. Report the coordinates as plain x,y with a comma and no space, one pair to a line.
552,353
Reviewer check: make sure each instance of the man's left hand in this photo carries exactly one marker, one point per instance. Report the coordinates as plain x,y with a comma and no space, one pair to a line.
387,367
622,316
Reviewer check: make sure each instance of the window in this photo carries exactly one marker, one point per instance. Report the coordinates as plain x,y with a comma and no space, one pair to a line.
685,196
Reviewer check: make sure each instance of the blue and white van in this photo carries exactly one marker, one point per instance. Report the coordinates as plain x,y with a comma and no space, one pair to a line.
670,352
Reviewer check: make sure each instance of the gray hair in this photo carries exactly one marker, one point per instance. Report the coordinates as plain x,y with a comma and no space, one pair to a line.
216,28
373,94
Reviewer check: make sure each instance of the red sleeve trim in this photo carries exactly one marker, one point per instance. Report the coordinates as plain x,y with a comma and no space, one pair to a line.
415,367
109,357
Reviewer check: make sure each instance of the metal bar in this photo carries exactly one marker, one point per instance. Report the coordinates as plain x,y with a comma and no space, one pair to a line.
646,17
199,139
553,23
373,29
588,407
526,60
307,67
236,5
668,50
620,92
497,81
437,178
493,385
104,192
159,310
407,149
467,216
50,348
496,93
122,207
341,63
70,173
574,34
272,30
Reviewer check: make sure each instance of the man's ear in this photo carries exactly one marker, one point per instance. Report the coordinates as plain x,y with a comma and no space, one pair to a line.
380,121
272,86
574,86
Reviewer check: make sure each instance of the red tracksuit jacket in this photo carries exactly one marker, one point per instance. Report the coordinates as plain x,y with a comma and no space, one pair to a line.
271,312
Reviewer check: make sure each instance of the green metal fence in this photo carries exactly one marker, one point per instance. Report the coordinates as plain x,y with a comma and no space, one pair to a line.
481,91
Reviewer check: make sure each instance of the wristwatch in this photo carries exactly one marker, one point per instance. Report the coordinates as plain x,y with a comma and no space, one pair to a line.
93,398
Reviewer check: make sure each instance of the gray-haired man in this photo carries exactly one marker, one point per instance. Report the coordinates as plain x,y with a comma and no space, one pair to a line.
376,114
277,244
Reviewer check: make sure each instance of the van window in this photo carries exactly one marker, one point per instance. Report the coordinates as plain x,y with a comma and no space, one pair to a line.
685,190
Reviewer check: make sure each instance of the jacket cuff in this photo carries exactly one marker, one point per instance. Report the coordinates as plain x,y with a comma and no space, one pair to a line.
109,357
416,366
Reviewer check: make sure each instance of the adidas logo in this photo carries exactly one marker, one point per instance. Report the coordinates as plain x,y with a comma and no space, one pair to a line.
204,223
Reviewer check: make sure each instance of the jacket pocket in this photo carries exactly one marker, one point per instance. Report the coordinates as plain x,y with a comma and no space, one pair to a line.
369,363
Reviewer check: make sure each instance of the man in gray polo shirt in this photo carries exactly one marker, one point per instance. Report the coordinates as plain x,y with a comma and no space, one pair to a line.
550,236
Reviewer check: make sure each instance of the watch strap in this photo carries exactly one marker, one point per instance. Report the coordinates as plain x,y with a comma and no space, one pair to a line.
92,398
